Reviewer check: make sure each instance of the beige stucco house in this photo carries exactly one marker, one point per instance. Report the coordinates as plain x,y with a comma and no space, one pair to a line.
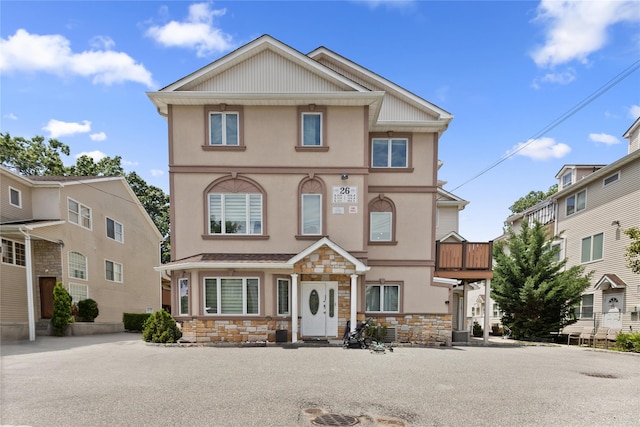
90,233
303,196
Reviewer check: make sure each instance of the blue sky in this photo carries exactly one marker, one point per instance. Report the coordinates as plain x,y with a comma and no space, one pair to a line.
511,72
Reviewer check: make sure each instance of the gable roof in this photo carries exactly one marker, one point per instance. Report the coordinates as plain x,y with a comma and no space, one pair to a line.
610,281
325,241
269,72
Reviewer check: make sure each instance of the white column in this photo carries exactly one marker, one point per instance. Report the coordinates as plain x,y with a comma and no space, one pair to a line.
29,267
487,307
294,307
354,301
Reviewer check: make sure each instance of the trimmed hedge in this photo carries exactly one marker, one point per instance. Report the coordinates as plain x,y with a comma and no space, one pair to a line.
134,322
161,328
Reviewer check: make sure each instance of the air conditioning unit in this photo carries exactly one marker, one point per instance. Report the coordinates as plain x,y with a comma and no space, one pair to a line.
391,335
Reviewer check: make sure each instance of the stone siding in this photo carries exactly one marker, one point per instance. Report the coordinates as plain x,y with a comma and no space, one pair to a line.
419,328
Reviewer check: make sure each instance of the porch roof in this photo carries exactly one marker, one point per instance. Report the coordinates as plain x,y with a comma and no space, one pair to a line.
610,281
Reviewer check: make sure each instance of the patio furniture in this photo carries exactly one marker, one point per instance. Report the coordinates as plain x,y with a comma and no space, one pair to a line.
600,335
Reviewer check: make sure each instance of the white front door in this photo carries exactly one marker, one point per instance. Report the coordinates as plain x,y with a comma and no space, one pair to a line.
612,317
319,308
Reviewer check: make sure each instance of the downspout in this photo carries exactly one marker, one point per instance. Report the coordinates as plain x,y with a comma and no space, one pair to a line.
30,300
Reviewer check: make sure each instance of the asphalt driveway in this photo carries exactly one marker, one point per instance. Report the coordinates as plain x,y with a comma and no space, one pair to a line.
118,380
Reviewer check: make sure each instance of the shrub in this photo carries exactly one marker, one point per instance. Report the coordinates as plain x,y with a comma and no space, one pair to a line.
628,342
375,331
160,327
134,322
88,310
477,330
61,310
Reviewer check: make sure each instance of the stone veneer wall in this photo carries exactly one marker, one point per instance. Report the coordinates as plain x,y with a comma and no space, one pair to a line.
419,328
47,259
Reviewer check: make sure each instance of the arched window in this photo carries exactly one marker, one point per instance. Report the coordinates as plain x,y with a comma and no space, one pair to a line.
311,207
235,207
382,221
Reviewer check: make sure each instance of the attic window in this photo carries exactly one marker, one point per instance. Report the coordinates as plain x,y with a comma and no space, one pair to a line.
567,179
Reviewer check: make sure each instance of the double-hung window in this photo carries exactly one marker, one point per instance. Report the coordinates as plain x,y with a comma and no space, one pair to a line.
224,128
79,213
114,230
311,214
576,202
584,310
183,288
231,295
235,213
113,271
382,298
14,253
390,153
592,248
567,179
284,297
311,129
77,265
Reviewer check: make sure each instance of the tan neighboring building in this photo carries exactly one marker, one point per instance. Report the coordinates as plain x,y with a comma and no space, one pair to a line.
303,196
91,233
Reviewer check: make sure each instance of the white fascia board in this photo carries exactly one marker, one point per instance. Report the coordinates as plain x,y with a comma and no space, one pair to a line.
225,265
411,126
446,281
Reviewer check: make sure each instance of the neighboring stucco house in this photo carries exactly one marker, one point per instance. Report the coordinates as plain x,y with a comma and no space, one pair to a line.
593,206
90,233
303,196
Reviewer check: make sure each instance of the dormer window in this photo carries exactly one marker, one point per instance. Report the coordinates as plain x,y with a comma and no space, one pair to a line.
567,179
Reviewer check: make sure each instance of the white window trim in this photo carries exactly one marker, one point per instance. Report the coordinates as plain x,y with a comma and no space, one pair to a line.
591,249
219,296
19,205
278,280
115,234
114,263
223,219
14,261
311,113
570,173
180,282
390,152
77,284
580,307
302,218
382,286
575,198
223,124
617,174
86,266
80,206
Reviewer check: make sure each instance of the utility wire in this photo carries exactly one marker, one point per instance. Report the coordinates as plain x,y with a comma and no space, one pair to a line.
586,101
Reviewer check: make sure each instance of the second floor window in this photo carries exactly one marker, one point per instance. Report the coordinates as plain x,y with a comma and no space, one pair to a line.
381,220
113,271
223,128
114,230
592,248
311,214
389,153
235,213
77,265
79,213
576,202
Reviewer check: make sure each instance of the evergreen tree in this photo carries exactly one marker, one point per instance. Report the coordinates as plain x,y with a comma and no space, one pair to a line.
632,252
535,291
61,309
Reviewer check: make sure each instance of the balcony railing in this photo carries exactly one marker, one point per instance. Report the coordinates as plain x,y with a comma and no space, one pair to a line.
457,256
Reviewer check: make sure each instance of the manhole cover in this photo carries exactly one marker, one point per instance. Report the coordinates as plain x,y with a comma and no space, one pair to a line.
335,420
599,375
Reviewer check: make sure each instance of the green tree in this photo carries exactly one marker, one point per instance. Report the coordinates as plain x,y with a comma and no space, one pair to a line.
35,157
632,252
532,199
535,291
61,309
32,156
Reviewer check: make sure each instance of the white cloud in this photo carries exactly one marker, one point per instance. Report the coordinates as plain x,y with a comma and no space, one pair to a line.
100,136
95,155
57,128
575,29
24,52
634,111
603,138
129,163
392,3
156,172
11,116
196,32
102,42
541,149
